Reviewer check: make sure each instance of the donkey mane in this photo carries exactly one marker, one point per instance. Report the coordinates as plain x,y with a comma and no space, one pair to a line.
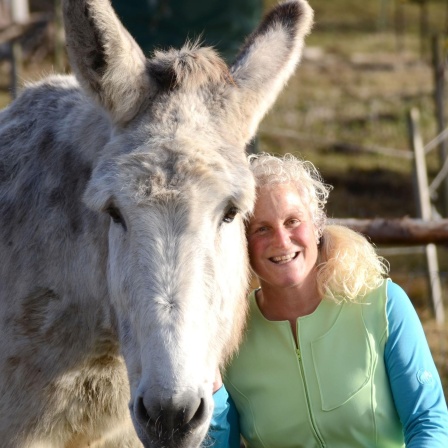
189,68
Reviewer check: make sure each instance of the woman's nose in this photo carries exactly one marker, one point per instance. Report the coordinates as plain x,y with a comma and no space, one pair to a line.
281,237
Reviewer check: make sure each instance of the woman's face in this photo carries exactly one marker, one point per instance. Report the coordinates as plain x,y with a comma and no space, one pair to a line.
282,238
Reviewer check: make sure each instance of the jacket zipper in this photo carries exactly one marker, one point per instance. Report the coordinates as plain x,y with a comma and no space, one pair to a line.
308,402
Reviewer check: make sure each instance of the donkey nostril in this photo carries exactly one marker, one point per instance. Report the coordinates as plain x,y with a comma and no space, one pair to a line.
198,416
181,414
141,412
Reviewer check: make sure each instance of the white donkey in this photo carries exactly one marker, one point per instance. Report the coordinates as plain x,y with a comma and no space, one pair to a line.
123,265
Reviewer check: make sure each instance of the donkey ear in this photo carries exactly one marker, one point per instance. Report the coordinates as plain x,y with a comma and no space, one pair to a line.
268,59
107,61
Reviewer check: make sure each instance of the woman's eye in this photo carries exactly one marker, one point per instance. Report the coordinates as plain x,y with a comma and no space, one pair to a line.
230,214
116,216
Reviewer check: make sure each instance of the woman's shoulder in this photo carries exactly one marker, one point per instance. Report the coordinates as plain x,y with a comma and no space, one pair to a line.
401,312
395,291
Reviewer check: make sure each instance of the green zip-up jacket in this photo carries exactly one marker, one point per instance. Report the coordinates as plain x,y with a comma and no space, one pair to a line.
302,393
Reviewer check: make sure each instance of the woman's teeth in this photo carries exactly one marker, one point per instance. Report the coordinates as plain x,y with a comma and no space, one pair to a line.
283,258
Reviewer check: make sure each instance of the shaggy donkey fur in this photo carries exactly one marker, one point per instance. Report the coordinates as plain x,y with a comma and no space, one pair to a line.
123,264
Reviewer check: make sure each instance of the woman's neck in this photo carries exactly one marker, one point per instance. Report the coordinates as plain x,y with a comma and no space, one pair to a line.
278,304
288,303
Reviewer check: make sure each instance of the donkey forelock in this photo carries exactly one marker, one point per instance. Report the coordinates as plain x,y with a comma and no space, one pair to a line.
189,68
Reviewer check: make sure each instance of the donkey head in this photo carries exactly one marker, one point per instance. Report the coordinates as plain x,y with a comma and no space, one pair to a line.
174,179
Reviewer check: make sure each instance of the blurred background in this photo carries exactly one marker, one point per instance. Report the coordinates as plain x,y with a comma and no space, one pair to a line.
366,65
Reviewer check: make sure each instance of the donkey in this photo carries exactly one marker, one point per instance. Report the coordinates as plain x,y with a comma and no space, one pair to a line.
123,268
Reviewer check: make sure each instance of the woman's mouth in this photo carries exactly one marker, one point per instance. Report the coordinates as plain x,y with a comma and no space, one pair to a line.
283,259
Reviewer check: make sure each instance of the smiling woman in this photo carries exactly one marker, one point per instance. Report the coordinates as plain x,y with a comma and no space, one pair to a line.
334,353
282,243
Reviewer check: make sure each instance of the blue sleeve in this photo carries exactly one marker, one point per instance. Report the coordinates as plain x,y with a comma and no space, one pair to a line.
413,376
224,431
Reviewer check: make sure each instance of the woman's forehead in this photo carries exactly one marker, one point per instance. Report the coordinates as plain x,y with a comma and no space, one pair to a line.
286,191
279,198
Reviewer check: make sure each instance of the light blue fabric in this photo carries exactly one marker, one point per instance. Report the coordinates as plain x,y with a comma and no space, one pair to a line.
224,429
413,376
414,380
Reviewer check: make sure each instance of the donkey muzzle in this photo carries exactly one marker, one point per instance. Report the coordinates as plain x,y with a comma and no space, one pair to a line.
174,421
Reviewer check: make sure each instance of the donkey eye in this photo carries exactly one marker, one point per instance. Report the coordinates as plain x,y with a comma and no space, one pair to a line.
116,216
230,214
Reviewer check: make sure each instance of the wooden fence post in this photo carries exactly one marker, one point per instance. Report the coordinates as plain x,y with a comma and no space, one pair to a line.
425,212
